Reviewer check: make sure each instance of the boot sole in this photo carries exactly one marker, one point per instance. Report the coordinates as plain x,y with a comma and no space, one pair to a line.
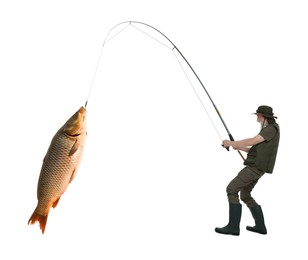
227,233
256,231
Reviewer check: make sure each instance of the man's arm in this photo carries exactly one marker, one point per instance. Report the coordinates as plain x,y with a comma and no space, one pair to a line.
245,144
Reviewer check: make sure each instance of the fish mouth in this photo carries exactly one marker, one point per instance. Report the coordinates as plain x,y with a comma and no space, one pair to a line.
75,126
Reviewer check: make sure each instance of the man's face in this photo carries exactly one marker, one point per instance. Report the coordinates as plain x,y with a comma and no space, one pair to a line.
260,118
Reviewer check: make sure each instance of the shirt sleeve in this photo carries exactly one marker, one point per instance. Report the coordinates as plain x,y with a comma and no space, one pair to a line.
268,132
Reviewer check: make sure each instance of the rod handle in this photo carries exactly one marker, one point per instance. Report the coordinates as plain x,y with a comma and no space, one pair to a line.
231,139
225,147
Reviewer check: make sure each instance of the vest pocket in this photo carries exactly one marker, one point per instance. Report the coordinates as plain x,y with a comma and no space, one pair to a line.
251,156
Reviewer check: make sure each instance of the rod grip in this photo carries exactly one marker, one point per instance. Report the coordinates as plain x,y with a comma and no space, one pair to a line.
231,139
225,147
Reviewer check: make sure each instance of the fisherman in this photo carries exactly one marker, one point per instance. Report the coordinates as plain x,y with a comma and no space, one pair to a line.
262,150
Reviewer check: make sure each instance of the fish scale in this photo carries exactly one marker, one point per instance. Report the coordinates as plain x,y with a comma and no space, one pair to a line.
59,168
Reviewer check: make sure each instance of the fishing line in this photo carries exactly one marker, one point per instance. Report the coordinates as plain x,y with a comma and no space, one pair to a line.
174,48
192,86
151,37
107,39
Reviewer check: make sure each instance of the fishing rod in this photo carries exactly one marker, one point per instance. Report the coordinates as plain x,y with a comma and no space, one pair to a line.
174,47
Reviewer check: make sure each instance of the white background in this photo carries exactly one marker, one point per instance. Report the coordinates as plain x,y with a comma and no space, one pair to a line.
152,181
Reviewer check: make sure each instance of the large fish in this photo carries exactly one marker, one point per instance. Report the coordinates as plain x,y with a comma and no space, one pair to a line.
60,166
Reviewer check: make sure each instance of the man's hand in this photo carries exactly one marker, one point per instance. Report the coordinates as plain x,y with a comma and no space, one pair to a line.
227,143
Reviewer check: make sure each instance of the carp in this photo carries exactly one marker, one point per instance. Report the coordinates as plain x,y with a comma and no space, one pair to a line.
59,166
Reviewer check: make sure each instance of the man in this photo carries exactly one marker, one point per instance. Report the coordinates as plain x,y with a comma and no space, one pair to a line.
262,150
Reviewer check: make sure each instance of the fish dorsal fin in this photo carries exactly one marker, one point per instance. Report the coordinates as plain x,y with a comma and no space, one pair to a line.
74,148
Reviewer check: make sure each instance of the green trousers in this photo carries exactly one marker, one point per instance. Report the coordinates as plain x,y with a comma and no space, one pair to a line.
243,183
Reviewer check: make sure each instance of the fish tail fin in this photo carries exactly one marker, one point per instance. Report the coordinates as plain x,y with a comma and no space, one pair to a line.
41,219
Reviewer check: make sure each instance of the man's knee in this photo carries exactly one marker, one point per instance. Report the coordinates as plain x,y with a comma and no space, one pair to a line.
244,196
231,189
232,195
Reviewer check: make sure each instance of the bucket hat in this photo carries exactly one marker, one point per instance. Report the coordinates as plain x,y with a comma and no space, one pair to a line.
266,111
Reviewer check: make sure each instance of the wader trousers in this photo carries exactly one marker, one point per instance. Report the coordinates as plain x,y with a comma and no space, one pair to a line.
243,183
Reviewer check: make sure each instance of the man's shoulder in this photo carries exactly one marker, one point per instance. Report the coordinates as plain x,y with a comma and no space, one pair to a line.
269,132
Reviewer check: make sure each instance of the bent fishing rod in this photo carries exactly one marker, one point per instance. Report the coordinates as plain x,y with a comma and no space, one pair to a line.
174,47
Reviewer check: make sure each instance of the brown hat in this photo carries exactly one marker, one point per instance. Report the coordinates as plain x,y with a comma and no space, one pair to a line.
266,111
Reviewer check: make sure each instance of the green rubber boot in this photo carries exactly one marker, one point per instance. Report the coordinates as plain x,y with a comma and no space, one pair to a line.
233,227
259,220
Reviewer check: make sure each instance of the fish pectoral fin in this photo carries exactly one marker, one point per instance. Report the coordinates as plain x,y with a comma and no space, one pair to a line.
72,176
74,148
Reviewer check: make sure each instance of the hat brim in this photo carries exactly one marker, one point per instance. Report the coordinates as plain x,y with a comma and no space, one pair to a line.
265,115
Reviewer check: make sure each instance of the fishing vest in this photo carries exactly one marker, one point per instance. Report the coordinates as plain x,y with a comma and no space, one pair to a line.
263,155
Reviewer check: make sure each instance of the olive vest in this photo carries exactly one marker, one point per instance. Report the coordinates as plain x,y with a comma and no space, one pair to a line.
263,155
